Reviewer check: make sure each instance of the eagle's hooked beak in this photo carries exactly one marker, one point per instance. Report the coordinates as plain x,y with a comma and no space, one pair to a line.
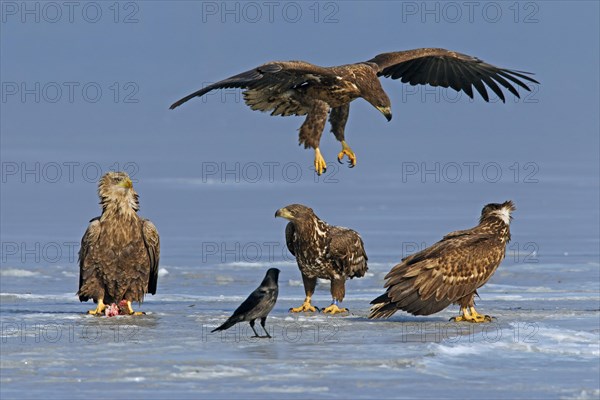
283,213
386,111
126,183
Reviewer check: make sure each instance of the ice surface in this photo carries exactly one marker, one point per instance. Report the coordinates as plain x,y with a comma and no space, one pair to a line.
544,342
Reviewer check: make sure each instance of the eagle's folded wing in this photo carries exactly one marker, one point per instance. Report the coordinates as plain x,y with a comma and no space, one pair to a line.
289,237
88,241
347,250
445,272
152,243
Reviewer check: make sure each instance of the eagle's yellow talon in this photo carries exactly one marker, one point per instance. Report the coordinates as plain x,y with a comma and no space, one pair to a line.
471,316
334,309
305,307
130,311
347,151
99,310
320,164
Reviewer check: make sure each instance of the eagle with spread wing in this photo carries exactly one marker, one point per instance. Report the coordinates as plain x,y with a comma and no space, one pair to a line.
322,251
300,88
450,271
118,259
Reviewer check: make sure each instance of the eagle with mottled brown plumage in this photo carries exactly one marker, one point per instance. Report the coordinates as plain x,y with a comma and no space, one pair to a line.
300,88
322,251
118,259
450,271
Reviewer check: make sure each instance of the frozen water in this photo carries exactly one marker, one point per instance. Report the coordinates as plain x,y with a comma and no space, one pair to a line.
216,248
544,342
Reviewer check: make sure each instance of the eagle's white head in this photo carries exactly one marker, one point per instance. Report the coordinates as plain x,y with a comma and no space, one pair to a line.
115,190
502,211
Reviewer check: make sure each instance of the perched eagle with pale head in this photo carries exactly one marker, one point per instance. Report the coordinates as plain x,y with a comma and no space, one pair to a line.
300,88
450,271
322,251
118,259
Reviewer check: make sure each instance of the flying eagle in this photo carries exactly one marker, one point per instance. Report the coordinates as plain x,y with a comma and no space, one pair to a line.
300,88
118,259
258,305
322,251
450,271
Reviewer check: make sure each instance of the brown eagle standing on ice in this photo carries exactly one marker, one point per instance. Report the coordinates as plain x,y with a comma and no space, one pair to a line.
300,88
322,251
118,259
450,271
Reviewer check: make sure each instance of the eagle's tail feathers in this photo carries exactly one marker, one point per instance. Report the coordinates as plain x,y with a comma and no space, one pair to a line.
382,307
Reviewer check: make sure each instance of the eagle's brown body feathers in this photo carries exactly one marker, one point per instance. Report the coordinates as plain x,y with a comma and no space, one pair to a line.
322,250
300,88
450,271
120,251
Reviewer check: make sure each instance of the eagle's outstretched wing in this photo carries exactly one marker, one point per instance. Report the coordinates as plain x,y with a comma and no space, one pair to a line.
152,243
430,280
440,67
88,241
346,249
275,77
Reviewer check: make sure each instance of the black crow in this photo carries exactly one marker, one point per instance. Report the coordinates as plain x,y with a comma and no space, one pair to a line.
258,305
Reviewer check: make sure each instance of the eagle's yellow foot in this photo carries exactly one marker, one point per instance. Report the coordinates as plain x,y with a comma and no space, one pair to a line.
129,310
99,310
334,309
347,151
471,316
305,307
320,164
